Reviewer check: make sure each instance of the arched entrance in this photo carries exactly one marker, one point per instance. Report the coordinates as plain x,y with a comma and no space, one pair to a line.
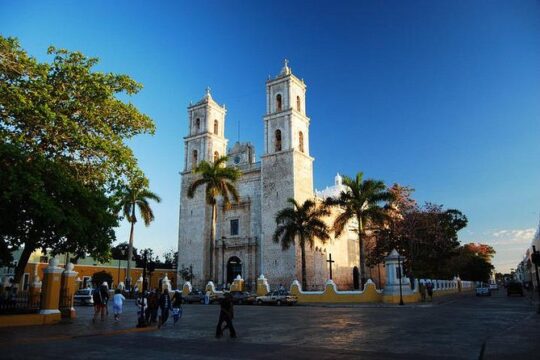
234,268
356,278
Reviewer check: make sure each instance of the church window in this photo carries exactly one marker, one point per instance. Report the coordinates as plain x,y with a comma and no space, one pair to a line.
216,156
278,102
194,158
216,127
197,124
278,140
234,227
301,141
298,104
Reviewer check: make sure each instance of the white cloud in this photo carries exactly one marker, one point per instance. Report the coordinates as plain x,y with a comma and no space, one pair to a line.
510,245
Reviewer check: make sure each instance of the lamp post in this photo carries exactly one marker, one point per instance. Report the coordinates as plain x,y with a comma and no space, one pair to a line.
399,274
223,261
122,254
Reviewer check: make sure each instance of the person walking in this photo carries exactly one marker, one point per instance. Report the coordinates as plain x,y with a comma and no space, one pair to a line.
118,302
429,288
422,290
153,307
100,296
165,306
226,314
177,306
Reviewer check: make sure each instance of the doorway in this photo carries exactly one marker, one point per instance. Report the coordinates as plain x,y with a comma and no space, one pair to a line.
234,268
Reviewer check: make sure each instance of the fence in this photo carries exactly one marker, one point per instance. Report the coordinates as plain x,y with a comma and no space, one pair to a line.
22,302
66,302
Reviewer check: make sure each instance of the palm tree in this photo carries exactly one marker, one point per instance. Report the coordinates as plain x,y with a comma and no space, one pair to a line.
136,195
303,222
363,200
219,181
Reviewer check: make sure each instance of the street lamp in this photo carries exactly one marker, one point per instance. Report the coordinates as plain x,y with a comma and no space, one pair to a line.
223,261
400,273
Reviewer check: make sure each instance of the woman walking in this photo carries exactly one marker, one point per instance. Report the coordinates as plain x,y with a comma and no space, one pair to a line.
118,302
165,306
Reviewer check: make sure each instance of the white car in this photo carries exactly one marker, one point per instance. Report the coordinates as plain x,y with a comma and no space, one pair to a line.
483,290
277,297
493,286
84,297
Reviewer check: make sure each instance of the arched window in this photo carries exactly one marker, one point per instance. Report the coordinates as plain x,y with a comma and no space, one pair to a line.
301,141
278,140
278,102
298,104
216,127
194,158
216,156
197,124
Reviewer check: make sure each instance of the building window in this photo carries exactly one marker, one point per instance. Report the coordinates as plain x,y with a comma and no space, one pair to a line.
298,104
216,127
197,124
301,141
278,102
43,259
234,227
194,158
216,156
278,140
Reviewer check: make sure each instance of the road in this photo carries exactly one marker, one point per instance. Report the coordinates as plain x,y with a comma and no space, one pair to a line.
452,328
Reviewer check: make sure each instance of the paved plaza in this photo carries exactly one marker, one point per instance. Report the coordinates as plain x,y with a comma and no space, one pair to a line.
455,327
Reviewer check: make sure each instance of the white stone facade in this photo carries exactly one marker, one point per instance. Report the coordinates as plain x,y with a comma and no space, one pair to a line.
243,237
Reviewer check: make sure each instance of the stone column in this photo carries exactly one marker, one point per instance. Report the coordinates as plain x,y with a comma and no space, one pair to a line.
392,286
50,298
166,283
238,284
69,287
262,286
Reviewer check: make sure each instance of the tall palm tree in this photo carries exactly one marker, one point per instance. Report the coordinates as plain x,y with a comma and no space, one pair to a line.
303,222
136,195
219,181
363,200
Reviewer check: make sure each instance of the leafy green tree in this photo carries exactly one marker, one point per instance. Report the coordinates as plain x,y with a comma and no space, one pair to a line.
98,278
120,251
303,222
218,181
472,262
67,112
135,196
366,201
42,206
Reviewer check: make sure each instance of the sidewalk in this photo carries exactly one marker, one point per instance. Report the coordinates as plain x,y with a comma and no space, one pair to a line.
80,327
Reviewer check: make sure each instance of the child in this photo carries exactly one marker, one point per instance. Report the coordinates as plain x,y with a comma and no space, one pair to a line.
177,306
118,302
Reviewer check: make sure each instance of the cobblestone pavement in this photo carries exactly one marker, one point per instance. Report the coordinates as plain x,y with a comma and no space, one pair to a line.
453,328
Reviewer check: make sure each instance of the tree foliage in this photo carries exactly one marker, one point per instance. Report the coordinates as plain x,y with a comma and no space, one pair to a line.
67,112
302,224
367,202
42,206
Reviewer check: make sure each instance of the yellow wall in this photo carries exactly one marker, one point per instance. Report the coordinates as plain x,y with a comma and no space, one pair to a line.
332,295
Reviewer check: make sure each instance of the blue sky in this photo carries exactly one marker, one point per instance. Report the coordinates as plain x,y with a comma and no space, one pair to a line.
441,96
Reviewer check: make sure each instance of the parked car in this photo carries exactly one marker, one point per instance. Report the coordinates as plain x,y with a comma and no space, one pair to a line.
84,297
493,286
194,296
514,287
483,290
243,297
277,297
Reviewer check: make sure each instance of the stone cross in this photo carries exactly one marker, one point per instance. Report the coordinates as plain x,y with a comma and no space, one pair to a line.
330,261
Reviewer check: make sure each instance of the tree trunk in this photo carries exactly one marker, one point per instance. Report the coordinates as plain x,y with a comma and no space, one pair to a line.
304,276
21,265
130,248
212,247
362,253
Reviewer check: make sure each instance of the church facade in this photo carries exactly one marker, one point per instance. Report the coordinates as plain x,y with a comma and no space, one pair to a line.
243,236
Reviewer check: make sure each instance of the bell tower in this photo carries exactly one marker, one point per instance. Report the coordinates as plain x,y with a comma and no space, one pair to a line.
205,141
287,167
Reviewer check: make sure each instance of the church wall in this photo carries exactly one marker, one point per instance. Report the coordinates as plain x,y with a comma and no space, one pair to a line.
192,234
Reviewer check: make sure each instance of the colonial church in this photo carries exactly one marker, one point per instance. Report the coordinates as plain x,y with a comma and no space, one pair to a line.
243,236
